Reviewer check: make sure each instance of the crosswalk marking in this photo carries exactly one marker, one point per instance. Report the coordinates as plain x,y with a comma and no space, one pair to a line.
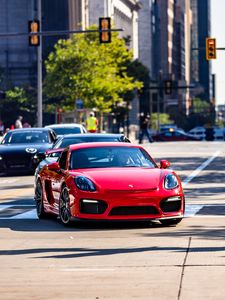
5,181
32,214
192,209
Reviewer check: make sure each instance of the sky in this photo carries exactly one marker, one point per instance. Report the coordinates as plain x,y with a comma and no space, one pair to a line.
218,32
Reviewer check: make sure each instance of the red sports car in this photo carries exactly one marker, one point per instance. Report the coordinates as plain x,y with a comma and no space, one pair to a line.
109,181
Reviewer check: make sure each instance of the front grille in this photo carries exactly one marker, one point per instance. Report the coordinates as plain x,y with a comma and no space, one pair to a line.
133,210
170,206
18,160
95,207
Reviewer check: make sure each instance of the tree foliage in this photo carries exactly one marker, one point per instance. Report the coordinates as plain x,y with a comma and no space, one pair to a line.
163,119
81,68
17,102
200,106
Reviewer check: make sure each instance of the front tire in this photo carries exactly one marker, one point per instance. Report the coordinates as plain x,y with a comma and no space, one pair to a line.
170,222
39,201
64,207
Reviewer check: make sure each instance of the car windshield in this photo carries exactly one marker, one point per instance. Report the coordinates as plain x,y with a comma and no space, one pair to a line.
26,137
66,130
106,157
64,142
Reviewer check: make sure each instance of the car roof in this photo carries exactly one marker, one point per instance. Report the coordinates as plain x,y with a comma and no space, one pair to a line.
64,125
102,145
77,135
29,129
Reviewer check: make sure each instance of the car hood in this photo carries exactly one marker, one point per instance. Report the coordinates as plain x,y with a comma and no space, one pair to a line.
29,148
126,178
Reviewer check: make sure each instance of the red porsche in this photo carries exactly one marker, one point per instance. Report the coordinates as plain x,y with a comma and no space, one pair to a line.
109,181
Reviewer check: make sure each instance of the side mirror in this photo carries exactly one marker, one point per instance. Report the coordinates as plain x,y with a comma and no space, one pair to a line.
164,164
54,167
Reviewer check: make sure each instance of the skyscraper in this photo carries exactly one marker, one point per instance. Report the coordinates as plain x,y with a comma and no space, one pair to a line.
204,66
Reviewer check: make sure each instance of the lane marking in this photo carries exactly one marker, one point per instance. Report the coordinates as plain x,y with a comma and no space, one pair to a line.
200,168
2,207
192,209
4,181
31,214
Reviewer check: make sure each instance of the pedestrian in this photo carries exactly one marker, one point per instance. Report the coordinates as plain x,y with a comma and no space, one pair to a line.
92,123
18,123
144,129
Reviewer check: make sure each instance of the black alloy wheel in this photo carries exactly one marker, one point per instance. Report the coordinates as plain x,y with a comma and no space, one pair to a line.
64,207
39,201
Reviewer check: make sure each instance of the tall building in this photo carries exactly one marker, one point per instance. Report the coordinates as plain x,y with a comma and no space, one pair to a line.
204,67
171,57
182,69
17,58
194,42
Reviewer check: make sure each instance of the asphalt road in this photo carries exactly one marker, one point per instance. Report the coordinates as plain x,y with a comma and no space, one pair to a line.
44,260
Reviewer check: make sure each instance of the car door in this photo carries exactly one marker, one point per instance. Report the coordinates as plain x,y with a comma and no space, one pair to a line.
57,177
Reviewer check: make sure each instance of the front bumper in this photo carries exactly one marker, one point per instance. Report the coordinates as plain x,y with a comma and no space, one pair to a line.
128,206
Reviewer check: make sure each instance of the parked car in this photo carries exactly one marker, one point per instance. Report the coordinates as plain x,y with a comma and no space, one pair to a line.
109,181
209,134
61,129
52,155
199,132
167,127
18,148
174,135
218,134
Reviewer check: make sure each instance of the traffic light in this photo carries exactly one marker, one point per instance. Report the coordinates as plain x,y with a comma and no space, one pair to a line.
34,27
104,24
168,87
210,48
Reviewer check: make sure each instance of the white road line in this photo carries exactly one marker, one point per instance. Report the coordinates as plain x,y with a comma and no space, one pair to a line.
200,168
192,209
2,207
4,181
31,214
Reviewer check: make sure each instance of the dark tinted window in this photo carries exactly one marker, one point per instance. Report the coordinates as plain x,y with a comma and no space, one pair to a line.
64,142
105,157
26,137
65,130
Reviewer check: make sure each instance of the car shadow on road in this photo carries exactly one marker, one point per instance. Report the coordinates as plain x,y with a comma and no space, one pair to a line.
54,225
68,253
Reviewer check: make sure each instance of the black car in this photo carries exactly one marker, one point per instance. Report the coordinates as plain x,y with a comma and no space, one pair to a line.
71,128
19,147
69,139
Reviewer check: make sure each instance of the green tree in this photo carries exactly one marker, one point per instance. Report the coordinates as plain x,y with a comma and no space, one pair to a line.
163,119
81,68
200,106
17,102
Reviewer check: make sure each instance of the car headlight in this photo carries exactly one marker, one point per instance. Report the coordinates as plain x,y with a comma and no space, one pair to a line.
84,184
1,158
170,182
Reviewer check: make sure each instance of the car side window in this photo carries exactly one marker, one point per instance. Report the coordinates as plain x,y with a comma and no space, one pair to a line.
53,136
63,159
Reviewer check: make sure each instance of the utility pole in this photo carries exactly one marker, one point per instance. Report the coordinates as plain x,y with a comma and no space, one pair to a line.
39,73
